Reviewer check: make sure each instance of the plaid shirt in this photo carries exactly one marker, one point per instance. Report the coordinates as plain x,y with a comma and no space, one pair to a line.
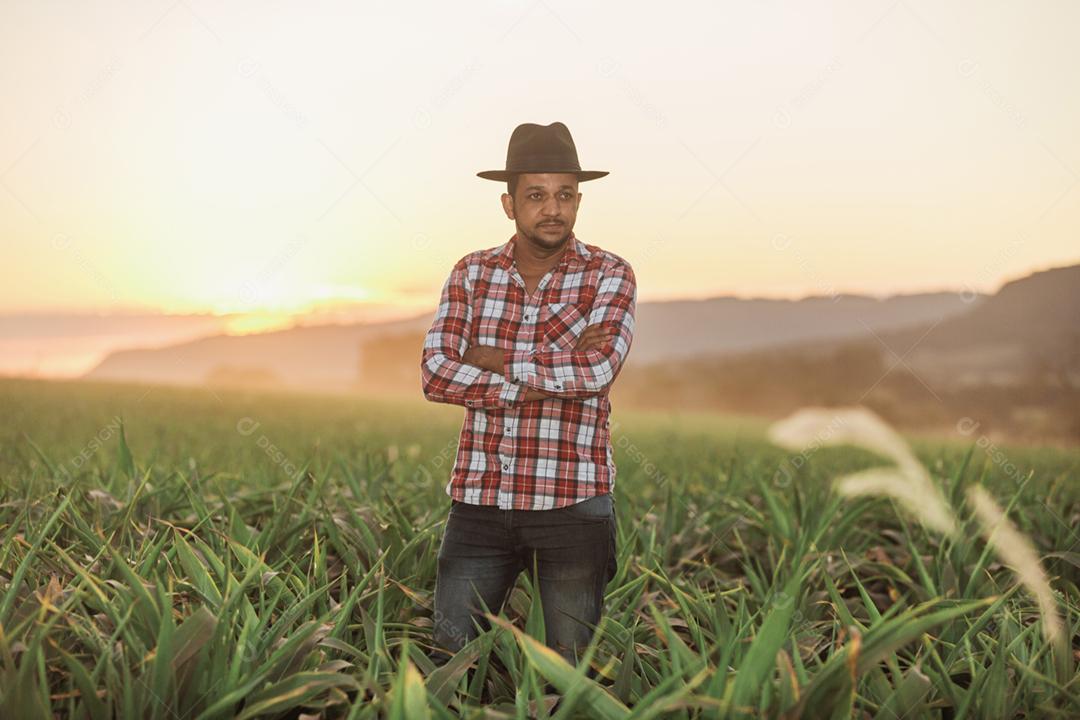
546,453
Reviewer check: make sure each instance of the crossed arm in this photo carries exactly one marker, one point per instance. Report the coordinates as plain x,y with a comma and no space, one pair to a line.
494,360
480,375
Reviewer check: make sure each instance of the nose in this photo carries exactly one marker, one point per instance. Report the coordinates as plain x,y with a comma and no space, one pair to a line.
551,207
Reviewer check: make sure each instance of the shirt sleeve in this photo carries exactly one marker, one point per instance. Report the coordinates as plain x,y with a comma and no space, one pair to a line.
446,379
584,373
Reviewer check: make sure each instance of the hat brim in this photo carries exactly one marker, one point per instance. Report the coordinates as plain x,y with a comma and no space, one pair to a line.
504,175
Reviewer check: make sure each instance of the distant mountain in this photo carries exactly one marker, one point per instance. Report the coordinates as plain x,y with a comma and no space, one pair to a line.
67,344
924,361
723,325
321,356
332,355
1009,366
1030,325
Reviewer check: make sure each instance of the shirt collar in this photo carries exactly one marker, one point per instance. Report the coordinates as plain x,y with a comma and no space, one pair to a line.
575,253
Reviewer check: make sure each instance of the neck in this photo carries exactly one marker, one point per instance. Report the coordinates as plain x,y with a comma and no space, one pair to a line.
532,258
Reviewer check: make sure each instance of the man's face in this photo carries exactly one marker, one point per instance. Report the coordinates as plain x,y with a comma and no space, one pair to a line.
544,207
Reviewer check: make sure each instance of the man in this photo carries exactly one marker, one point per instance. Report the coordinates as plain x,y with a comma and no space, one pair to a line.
528,337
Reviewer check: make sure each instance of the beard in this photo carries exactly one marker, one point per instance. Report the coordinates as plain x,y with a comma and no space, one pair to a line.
547,239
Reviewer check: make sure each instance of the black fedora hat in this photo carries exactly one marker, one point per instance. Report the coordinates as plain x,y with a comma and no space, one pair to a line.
541,149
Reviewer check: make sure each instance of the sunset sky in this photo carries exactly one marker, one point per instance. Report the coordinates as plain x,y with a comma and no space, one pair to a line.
199,157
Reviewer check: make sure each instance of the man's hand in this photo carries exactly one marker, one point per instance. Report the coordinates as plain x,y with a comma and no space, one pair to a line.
486,357
594,336
534,394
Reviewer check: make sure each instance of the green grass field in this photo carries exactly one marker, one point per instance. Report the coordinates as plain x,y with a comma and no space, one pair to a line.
268,556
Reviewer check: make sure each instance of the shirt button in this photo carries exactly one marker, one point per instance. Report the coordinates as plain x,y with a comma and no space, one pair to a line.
506,467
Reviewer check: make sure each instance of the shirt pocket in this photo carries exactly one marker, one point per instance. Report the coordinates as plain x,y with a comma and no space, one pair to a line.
580,295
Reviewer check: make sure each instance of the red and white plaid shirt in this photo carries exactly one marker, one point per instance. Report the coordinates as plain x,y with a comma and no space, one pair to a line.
546,453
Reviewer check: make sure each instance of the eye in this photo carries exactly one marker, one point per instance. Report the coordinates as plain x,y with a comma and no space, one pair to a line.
534,195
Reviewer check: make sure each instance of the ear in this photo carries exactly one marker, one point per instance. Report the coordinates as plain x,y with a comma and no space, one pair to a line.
508,205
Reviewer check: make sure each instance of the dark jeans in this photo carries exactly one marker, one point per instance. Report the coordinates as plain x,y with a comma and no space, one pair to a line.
484,549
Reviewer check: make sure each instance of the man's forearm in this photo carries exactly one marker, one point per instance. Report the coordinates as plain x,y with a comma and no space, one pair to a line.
494,359
533,394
